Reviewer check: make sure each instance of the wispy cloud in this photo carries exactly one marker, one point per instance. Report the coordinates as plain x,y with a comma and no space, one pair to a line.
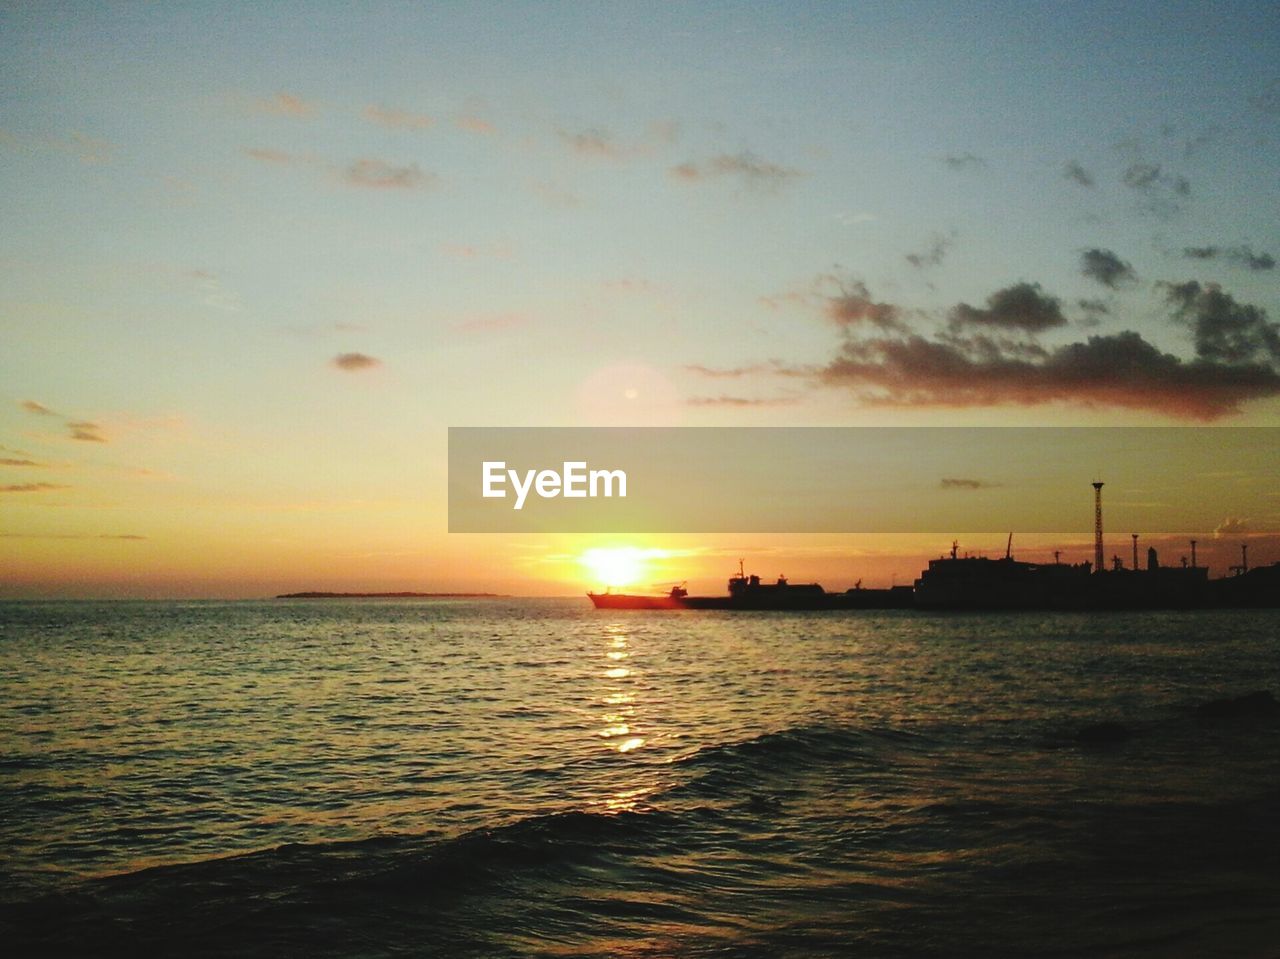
397,119
86,432
353,362
966,484
745,167
32,487
1241,255
964,161
933,254
11,461
267,155
742,401
31,406
603,144
284,105
380,175
1074,172
474,124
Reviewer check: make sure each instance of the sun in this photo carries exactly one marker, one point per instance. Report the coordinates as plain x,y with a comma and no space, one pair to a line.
618,565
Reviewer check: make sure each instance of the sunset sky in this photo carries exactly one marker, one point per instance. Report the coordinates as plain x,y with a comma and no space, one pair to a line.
257,261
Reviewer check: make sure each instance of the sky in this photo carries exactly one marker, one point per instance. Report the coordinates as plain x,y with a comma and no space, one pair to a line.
257,261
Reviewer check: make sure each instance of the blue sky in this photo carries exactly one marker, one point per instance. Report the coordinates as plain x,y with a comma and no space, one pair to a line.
565,214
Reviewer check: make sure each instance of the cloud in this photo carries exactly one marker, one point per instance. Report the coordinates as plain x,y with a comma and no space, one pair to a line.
933,255
9,461
1074,172
964,161
1232,526
284,105
1023,306
32,487
380,175
351,362
31,406
745,166
1118,370
474,124
1241,255
266,155
854,307
594,143
1164,191
1107,268
397,119
1141,176
773,367
1225,331
967,484
742,401
86,432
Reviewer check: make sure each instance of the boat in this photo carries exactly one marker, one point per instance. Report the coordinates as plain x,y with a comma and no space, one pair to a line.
611,600
750,592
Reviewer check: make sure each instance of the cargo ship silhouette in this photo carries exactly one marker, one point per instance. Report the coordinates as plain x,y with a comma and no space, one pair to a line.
955,582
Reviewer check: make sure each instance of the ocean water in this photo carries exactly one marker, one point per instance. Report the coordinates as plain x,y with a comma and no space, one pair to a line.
539,778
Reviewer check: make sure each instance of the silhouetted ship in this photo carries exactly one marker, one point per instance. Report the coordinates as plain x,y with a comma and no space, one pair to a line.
748,592
957,582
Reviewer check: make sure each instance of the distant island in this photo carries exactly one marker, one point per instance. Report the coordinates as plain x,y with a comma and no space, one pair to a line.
390,596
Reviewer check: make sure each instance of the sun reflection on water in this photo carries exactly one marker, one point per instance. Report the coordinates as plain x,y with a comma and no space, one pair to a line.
619,717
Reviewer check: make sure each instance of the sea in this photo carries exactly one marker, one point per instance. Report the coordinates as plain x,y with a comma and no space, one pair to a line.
535,777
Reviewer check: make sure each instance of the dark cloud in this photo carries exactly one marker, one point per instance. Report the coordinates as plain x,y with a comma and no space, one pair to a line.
964,161
932,255
967,484
854,307
86,432
1242,255
31,406
351,362
8,461
380,175
745,166
32,487
1023,306
1074,172
1118,370
1107,268
1225,331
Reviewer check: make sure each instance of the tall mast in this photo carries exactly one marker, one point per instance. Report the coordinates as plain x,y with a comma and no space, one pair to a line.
1097,527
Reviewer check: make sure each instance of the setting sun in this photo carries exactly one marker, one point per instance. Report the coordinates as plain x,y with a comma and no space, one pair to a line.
619,565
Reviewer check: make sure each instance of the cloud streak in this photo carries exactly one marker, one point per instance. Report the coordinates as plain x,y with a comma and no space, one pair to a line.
745,167
1241,255
354,362
381,175
32,487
